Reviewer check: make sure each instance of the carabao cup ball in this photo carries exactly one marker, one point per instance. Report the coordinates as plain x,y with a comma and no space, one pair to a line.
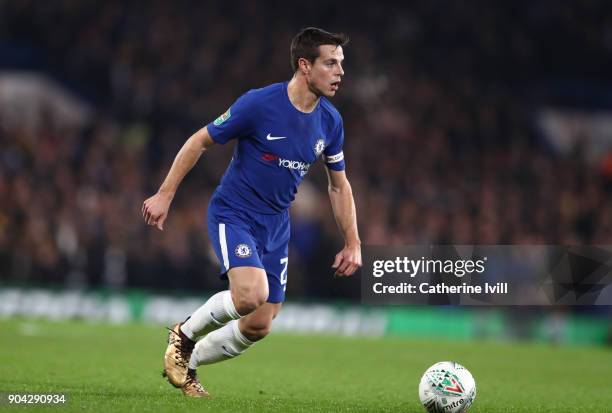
447,387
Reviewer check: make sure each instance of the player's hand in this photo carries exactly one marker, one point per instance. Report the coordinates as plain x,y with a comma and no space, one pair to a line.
347,261
155,210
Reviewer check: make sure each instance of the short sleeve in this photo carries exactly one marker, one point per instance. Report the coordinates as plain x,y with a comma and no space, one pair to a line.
236,122
333,155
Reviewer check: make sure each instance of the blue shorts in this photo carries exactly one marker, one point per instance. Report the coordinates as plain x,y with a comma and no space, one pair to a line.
246,239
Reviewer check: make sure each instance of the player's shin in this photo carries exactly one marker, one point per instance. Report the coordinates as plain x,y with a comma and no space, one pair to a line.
214,314
222,344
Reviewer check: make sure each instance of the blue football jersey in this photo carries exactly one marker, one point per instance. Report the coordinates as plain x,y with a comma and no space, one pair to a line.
276,146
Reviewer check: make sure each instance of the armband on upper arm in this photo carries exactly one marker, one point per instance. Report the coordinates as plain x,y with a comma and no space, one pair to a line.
335,158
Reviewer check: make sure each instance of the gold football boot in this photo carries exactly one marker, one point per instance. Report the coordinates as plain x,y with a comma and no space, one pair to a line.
192,387
176,358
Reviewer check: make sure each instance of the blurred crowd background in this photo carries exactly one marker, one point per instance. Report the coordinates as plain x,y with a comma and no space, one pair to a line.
442,104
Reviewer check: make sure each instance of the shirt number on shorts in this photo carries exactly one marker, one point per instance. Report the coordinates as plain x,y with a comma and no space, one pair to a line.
283,277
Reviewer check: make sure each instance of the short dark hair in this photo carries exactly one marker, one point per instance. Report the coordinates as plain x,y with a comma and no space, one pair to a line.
306,44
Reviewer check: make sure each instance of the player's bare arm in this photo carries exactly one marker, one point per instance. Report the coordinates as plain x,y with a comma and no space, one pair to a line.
155,209
343,205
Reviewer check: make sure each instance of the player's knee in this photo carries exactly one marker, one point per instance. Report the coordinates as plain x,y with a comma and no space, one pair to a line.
249,289
255,331
248,300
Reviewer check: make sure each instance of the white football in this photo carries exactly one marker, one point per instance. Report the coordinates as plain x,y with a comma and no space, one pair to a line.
447,387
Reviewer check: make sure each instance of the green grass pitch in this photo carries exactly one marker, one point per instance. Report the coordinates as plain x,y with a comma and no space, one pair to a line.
117,368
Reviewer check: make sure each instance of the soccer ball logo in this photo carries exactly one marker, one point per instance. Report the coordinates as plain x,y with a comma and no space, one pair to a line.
243,251
319,147
447,387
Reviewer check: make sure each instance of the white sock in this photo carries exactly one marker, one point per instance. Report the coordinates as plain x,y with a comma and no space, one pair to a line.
225,343
215,313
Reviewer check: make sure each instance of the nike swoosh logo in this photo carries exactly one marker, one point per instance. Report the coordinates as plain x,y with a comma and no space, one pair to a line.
227,353
274,138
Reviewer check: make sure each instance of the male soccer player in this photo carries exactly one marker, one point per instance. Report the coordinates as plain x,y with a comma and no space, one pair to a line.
280,130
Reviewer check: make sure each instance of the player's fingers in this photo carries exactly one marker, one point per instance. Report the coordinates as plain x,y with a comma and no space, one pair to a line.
160,223
343,267
154,217
351,269
337,261
336,266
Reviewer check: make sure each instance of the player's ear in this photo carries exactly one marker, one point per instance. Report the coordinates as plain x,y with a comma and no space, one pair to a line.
304,65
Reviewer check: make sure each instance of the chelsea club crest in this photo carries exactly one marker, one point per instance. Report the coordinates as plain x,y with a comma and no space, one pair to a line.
243,251
319,147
